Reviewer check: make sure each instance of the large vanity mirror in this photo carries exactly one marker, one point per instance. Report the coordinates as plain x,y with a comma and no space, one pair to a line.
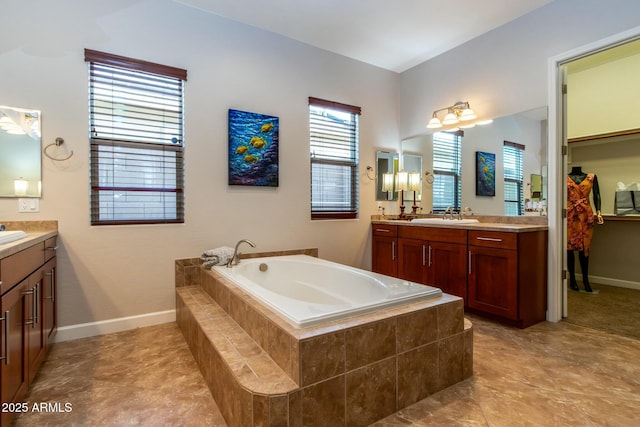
527,129
20,159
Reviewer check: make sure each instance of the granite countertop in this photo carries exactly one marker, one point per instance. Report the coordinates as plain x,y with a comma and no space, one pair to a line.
37,231
487,224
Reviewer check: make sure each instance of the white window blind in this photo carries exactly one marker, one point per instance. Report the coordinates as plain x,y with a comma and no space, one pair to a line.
136,134
447,158
333,132
513,178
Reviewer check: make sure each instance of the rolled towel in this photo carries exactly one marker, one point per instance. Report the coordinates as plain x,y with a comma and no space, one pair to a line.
217,256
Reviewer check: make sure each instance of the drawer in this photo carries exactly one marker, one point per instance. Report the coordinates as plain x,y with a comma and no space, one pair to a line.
50,248
493,239
435,234
16,267
384,230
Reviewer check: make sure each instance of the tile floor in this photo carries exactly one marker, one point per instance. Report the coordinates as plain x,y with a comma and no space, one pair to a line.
546,375
612,309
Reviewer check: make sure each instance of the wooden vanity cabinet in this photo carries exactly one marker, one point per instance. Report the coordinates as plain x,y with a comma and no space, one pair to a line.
507,275
13,364
434,256
28,319
384,251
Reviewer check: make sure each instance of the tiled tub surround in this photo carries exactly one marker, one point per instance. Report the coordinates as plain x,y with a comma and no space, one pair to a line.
263,371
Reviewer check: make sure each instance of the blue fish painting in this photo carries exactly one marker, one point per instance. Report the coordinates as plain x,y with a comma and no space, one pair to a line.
253,149
485,174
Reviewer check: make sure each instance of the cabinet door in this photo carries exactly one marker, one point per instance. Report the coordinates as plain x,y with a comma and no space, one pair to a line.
448,268
13,348
33,323
412,260
49,312
493,281
384,255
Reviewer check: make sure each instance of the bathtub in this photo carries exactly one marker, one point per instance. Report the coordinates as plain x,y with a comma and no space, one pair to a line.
308,291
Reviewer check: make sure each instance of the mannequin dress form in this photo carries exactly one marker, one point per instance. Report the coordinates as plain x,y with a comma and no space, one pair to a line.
580,222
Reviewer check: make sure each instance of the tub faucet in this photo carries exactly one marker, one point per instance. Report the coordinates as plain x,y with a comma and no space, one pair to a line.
235,259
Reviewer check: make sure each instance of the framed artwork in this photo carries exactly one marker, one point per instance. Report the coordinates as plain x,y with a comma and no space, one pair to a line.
253,149
485,174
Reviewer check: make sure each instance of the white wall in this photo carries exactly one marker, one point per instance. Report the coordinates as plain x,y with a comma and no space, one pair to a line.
505,71
111,272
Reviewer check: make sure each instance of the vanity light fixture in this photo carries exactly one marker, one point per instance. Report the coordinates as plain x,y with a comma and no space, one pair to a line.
10,126
458,112
387,183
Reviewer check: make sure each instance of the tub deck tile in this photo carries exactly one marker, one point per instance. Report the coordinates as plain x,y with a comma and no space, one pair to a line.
265,371
246,360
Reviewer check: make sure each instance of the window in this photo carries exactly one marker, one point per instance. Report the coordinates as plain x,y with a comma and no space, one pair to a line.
512,157
136,137
333,135
447,170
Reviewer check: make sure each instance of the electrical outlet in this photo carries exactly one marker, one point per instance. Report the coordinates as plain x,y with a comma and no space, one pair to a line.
29,205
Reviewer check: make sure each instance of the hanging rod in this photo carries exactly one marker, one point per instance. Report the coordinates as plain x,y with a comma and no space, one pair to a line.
58,143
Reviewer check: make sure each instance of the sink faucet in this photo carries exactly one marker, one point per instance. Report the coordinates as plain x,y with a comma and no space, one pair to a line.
448,211
464,212
235,259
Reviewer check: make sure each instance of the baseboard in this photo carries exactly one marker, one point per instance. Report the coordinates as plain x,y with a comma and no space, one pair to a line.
84,330
594,280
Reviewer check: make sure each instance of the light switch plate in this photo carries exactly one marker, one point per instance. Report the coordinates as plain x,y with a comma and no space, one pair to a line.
29,205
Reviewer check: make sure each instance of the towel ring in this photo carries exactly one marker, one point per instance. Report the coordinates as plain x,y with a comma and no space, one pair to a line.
58,143
429,177
369,169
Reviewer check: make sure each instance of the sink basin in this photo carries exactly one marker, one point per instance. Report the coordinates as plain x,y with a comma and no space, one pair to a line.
440,221
10,236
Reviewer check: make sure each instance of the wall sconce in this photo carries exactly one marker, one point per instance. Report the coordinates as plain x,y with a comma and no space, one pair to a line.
415,186
20,187
387,183
458,112
402,185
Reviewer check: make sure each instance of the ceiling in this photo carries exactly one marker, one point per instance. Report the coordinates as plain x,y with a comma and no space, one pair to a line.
395,35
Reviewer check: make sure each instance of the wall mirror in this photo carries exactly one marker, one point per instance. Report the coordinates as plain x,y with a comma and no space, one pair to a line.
528,128
20,155
386,163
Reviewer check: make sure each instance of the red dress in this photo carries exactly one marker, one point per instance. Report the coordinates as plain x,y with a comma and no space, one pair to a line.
580,218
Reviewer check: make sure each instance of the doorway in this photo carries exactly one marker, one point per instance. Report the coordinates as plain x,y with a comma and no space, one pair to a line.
612,306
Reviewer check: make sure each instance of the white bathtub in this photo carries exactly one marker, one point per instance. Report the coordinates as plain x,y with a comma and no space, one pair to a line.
308,291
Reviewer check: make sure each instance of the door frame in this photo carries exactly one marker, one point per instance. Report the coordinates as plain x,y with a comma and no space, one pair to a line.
557,200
